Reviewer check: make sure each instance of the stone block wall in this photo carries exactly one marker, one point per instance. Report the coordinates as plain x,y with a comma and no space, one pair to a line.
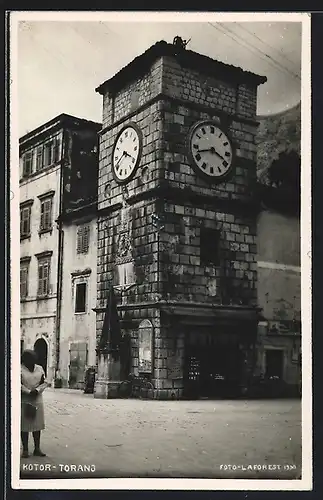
185,277
133,96
144,241
168,361
149,120
193,86
177,122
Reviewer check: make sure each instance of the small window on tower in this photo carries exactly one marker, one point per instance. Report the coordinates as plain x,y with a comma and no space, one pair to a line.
210,246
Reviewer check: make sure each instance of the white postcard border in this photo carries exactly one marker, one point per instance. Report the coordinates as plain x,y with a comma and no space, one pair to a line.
166,484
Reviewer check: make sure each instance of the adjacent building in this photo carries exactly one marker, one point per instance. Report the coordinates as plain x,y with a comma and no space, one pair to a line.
48,157
279,296
78,222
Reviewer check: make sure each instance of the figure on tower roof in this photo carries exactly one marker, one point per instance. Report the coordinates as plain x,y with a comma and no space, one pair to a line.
179,43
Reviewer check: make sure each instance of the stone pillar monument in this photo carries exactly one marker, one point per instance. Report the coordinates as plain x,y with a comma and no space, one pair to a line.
108,351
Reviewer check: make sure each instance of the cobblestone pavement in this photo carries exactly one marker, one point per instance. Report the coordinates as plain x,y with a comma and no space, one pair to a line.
198,439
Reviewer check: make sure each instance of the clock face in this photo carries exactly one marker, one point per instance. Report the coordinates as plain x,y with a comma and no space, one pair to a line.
211,150
126,153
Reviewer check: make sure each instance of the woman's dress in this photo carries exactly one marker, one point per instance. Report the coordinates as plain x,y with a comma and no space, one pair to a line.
29,381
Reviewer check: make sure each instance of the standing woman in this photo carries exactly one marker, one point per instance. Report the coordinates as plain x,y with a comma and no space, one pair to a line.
33,384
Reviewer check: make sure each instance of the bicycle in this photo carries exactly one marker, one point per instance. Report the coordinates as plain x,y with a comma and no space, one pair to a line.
137,388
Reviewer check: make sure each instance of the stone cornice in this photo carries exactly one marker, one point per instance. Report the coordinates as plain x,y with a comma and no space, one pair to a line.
176,195
187,312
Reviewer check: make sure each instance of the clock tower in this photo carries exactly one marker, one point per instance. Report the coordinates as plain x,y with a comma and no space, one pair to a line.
177,219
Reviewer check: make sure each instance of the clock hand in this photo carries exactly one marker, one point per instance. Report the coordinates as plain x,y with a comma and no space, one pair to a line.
123,154
204,150
127,154
212,150
217,154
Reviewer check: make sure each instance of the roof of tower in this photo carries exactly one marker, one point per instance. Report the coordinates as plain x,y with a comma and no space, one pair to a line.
141,64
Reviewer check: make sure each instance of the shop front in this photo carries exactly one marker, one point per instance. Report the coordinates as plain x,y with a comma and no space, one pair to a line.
219,350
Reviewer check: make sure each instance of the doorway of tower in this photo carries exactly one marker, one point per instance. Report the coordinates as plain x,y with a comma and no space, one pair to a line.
77,366
213,365
41,350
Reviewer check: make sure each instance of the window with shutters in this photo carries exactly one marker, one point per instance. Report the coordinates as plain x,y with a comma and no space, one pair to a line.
83,239
80,297
49,148
25,217
24,271
51,152
46,214
43,276
39,158
27,164
57,150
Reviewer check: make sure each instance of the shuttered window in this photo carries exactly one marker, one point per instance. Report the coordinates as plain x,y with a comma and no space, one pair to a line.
27,164
46,214
24,269
49,153
25,214
39,158
57,150
83,239
43,276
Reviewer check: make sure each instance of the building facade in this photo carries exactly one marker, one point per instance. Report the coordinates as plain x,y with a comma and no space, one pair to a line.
45,159
79,260
176,236
40,194
279,296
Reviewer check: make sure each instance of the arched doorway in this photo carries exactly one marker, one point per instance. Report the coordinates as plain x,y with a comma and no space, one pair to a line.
41,350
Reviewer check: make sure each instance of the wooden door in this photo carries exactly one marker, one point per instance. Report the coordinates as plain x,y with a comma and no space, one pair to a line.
78,361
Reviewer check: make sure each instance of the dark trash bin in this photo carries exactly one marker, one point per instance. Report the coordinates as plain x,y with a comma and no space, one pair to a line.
89,380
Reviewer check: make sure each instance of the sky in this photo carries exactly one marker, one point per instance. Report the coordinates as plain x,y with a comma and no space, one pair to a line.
60,63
